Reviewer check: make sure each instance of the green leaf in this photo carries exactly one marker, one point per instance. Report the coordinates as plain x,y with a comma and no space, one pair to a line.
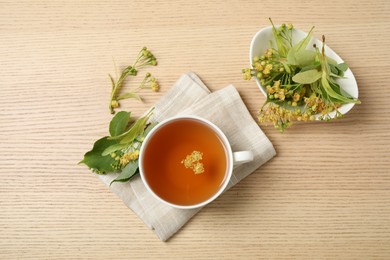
305,58
299,49
291,57
94,158
331,61
127,173
337,76
304,42
336,87
129,95
136,129
119,123
307,77
338,97
342,66
114,148
316,66
333,69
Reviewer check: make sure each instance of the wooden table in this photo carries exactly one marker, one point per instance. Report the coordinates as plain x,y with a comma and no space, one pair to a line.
325,195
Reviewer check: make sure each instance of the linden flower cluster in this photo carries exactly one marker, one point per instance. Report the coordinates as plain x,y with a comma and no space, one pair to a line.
150,83
193,161
264,68
123,158
282,117
144,58
147,58
289,93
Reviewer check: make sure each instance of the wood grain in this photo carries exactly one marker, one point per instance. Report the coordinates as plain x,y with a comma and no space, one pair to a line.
325,196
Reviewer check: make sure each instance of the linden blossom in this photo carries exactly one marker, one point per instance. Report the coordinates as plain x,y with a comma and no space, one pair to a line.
125,158
144,58
193,161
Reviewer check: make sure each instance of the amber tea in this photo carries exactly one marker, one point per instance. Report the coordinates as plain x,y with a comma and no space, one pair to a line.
163,166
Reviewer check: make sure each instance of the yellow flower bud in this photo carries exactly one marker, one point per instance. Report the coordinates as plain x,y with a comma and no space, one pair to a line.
296,97
258,67
155,87
134,155
281,95
114,104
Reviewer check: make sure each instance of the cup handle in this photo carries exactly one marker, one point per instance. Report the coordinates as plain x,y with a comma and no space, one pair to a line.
242,157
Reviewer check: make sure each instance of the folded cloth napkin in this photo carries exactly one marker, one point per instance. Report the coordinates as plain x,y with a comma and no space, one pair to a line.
224,108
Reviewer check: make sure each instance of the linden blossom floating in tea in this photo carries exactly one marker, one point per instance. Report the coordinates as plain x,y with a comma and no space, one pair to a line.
193,161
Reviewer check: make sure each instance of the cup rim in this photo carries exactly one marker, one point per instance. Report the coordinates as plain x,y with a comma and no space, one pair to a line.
228,150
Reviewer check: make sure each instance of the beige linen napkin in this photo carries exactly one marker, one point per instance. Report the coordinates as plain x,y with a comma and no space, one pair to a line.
224,108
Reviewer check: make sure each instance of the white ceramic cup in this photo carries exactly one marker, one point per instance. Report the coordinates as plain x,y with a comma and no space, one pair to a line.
233,158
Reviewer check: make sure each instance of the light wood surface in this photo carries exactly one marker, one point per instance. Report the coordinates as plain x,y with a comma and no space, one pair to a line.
325,195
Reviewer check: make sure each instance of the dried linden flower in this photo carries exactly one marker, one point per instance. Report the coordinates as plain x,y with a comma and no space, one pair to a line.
198,168
193,161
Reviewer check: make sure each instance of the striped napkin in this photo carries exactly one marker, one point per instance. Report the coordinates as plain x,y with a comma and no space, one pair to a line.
225,109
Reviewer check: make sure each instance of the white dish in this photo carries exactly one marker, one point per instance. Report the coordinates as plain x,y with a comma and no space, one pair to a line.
260,43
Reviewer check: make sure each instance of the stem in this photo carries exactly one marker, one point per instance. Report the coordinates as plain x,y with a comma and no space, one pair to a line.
115,68
112,98
139,57
146,62
269,18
